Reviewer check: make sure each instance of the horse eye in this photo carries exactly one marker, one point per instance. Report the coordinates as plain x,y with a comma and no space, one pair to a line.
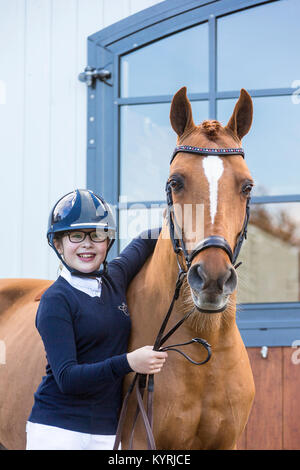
175,184
246,189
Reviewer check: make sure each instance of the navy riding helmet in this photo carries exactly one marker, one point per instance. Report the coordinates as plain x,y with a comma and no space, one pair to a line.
81,209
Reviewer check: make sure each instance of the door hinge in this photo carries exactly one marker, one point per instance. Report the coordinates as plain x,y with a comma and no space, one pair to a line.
91,74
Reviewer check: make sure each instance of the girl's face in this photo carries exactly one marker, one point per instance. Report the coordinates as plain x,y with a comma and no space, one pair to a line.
85,256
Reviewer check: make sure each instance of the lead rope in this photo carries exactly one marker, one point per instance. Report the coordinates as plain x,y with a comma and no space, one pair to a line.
140,380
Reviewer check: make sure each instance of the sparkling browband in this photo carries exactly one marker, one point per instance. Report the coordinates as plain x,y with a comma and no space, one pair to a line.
207,151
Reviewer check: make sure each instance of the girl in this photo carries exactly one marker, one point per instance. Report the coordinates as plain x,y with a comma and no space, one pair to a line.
84,323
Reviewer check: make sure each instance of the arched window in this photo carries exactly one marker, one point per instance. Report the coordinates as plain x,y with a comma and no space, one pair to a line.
215,48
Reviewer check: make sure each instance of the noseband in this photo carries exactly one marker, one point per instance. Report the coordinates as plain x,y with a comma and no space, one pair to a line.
214,240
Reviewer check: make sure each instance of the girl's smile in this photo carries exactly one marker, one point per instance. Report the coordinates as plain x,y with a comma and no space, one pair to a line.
86,257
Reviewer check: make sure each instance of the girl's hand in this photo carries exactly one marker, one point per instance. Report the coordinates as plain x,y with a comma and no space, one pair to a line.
146,361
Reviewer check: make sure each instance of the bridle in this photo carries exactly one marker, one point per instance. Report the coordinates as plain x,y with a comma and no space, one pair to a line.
213,240
179,248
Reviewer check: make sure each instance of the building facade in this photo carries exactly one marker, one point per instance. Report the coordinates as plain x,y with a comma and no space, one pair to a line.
43,118
114,135
214,48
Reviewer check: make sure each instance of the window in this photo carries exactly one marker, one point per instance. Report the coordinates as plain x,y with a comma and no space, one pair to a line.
258,47
161,67
236,44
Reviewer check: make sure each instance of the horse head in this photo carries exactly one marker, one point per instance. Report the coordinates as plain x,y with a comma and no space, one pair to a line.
202,179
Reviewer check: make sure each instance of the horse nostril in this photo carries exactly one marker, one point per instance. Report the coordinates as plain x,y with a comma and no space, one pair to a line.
202,278
199,280
230,281
201,274
197,277
223,279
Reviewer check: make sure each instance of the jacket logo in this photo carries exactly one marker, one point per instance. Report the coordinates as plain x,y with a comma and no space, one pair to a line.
124,308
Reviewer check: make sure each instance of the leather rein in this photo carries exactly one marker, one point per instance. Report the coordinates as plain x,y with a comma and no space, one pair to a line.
141,380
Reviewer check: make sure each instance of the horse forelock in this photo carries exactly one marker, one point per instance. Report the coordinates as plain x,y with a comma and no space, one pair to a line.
211,128
209,133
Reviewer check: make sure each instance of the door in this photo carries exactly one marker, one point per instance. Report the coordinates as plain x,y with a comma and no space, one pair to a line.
274,422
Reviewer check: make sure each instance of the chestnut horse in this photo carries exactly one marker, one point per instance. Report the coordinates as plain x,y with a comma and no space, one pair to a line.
24,359
206,406
195,407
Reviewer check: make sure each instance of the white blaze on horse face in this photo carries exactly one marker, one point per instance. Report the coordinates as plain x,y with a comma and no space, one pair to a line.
213,169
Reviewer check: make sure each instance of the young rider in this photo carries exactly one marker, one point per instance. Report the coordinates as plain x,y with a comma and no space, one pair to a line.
84,323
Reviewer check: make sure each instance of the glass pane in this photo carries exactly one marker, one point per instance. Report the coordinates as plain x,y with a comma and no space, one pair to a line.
272,145
270,270
147,143
259,47
133,221
168,64
271,255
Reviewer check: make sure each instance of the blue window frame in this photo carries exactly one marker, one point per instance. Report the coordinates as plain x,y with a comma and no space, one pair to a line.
130,43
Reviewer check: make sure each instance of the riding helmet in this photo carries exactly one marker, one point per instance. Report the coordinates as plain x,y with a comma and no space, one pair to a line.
80,209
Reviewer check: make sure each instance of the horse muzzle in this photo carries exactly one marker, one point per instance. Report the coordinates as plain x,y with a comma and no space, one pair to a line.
211,291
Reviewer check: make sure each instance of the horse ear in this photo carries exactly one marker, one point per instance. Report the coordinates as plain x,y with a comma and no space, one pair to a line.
241,119
181,115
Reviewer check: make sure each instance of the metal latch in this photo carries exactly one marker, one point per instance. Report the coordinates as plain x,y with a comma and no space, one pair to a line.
91,74
264,352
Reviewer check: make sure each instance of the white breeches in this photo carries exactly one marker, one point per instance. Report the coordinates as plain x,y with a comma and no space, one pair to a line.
44,437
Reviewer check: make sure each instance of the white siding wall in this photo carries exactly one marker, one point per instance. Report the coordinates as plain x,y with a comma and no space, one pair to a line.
43,118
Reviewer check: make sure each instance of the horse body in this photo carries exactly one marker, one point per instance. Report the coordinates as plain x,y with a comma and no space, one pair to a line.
25,357
207,406
195,407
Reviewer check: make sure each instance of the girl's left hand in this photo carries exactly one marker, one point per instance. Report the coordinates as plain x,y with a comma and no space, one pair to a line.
146,361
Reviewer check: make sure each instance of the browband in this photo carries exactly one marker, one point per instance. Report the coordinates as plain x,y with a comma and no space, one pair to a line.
206,151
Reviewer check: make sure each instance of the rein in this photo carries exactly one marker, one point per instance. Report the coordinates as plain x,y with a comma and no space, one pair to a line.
140,380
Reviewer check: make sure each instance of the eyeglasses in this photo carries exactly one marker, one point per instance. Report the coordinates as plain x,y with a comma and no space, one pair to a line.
97,236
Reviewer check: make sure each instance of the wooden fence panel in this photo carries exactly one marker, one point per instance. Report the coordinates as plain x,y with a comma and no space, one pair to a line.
291,408
265,426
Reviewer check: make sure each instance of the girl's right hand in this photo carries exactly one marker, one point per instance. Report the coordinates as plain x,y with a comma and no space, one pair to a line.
146,361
